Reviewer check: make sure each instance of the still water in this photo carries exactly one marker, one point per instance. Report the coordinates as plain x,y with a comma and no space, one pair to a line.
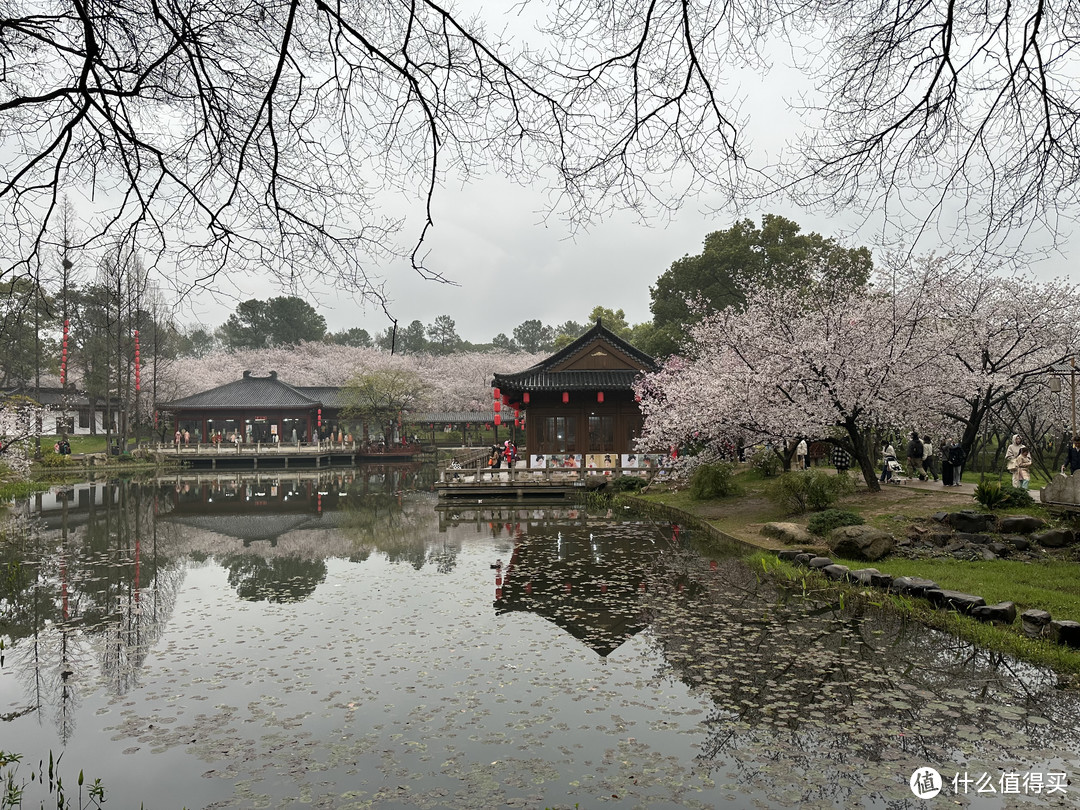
335,640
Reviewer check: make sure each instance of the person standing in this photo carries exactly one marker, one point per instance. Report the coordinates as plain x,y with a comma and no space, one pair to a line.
954,455
888,453
915,457
1073,459
800,455
841,459
929,460
1022,468
1012,451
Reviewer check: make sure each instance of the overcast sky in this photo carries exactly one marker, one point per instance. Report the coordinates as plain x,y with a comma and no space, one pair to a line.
510,265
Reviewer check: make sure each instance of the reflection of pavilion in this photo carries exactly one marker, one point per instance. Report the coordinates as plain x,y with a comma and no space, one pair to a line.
265,508
584,579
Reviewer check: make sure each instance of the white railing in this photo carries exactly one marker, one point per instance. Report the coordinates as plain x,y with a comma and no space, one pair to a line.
575,476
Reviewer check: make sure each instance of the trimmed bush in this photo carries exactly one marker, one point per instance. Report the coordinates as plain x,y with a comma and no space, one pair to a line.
807,490
713,481
821,523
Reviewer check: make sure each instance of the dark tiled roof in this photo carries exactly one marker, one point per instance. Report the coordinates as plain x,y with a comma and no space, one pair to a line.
475,417
331,396
534,379
265,392
53,396
543,377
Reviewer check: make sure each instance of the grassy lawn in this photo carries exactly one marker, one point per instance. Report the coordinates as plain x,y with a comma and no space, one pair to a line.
79,444
1052,585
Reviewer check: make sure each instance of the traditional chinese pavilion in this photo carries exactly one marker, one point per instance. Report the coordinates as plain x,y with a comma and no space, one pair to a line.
579,400
261,409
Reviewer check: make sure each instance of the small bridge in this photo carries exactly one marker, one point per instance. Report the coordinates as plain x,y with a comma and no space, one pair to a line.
522,482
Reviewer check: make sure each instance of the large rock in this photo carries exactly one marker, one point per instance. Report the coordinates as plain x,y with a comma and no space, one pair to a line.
953,600
870,576
912,586
820,562
1061,489
1001,613
968,520
1020,524
861,542
1065,632
1034,623
1054,538
789,554
791,534
837,572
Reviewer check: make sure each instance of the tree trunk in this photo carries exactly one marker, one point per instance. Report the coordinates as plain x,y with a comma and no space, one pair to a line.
860,451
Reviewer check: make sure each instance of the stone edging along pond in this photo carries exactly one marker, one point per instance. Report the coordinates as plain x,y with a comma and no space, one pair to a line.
1035,623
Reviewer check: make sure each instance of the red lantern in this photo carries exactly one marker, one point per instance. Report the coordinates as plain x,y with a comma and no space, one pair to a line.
565,397
496,393
319,417
599,396
497,406
525,397
498,420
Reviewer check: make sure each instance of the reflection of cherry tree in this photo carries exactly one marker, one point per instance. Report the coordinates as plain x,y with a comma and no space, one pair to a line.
811,689
454,382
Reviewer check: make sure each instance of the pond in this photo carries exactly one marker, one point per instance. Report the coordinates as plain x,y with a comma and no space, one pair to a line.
337,640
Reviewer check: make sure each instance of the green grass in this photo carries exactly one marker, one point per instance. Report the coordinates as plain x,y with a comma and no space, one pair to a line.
79,444
1059,588
1049,585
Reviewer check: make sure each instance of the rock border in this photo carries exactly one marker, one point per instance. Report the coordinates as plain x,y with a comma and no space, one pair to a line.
1034,623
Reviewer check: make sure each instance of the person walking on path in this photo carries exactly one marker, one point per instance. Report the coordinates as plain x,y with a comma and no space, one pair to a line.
929,459
1012,451
915,457
888,453
1022,468
800,455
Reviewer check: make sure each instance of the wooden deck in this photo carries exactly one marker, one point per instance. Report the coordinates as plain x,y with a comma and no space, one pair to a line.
277,455
523,483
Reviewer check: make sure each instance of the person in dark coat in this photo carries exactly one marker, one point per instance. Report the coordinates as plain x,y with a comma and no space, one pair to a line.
1073,459
953,463
840,459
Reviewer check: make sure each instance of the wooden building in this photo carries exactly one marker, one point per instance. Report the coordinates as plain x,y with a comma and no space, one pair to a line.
260,409
579,403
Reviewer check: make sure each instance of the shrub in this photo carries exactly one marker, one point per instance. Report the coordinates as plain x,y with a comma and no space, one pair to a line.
1016,497
765,461
811,489
53,460
626,483
821,523
713,481
990,494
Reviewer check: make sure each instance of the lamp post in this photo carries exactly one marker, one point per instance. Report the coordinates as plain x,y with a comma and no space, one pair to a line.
1055,385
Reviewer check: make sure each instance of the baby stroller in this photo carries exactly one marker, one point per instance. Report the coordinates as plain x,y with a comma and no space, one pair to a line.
894,471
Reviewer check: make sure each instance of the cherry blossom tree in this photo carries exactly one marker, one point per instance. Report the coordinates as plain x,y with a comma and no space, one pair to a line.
453,382
20,422
840,364
1007,331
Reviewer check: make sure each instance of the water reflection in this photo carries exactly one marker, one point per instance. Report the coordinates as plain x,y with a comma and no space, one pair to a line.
329,638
